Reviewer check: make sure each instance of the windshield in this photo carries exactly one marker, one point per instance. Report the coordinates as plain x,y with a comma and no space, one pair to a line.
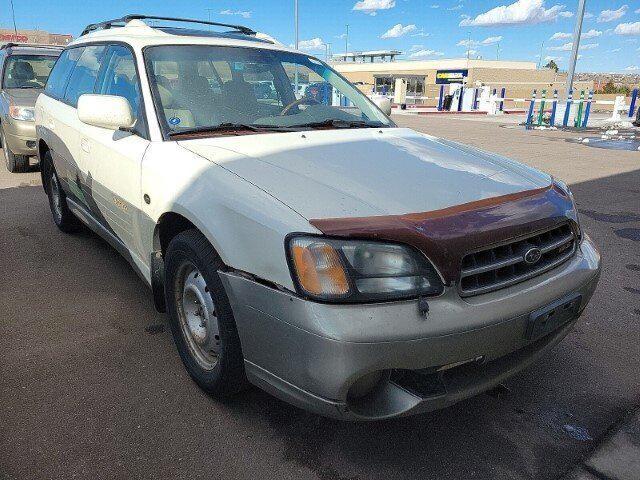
27,71
198,88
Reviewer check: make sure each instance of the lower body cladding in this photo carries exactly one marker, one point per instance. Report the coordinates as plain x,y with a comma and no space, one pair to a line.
376,361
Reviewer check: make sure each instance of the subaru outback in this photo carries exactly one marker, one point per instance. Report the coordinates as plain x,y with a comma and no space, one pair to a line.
306,244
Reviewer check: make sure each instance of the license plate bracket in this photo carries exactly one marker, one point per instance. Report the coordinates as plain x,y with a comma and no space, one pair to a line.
547,319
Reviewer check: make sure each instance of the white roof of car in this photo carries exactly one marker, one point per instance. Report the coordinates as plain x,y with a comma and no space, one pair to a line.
138,34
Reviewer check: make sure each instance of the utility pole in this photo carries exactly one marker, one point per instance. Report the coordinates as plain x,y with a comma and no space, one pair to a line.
577,32
13,15
541,56
209,15
297,42
468,47
327,49
498,51
346,43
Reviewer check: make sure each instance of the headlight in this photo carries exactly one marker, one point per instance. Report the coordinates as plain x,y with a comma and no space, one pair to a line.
351,271
21,113
565,188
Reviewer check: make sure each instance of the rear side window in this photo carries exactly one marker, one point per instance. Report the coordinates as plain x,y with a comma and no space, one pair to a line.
60,74
83,77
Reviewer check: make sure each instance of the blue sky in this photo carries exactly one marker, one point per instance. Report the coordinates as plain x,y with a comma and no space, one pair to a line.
423,29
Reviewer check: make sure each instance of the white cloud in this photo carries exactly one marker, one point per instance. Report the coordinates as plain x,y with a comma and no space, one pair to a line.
567,47
467,43
435,6
242,13
637,11
521,12
611,15
421,33
475,44
566,14
628,29
456,7
415,48
399,30
313,44
548,58
615,50
472,53
588,15
492,40
371,7
426,53
593,33
562,48
633,68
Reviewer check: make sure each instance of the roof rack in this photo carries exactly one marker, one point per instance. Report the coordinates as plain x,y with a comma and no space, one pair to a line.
29,45
113,23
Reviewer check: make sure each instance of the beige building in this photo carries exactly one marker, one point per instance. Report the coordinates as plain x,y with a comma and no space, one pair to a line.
34,36
424,77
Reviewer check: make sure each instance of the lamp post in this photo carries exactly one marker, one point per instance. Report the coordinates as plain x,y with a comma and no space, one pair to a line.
577,32
346,43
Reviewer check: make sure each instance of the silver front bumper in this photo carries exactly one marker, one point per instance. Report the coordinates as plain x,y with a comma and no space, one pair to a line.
311,354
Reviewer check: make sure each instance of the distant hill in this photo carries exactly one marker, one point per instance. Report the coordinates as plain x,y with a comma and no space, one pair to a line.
618,79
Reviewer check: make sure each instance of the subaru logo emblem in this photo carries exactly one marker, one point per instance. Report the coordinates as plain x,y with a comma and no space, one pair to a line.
532,256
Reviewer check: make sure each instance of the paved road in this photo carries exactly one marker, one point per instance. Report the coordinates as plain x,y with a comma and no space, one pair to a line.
91,385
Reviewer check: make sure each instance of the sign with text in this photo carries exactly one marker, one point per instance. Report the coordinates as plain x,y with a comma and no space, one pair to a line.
451,76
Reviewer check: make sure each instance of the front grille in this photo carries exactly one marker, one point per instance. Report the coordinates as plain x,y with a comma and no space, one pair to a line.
504,265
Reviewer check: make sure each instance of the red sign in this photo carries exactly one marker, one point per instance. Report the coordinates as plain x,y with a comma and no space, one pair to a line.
13,38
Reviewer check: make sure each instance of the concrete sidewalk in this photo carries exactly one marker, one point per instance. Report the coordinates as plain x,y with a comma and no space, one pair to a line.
617,457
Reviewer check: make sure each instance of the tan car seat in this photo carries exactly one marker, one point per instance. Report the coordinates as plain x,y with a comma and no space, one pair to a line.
176,117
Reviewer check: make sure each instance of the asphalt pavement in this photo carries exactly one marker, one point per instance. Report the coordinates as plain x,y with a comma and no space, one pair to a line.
91,385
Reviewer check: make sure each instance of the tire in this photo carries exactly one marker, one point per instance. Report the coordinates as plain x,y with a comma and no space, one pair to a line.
14,163
200,316
62,216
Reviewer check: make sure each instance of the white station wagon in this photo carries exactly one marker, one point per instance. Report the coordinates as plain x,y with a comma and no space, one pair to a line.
297,238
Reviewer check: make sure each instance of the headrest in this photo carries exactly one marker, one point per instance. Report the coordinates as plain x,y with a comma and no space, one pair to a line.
165,97
22,71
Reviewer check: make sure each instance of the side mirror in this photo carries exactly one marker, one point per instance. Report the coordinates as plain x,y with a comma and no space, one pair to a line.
383,104
105,111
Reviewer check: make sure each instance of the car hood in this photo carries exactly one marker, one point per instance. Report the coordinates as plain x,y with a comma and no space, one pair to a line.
365,172
24,97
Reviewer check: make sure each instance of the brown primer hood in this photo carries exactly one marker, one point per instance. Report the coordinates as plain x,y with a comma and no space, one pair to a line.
445,236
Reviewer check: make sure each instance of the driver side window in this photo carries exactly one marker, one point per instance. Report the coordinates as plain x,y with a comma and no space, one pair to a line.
120,77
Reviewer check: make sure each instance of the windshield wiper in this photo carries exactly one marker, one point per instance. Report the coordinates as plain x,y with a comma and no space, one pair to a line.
228,127
337,123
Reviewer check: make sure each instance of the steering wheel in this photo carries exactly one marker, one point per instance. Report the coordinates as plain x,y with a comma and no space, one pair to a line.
300,101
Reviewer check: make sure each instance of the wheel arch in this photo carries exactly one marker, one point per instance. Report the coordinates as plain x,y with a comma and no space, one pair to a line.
170,224
43,148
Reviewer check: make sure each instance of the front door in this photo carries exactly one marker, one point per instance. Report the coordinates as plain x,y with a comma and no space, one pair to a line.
114,158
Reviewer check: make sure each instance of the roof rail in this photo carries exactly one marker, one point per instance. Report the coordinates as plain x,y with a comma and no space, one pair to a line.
29,45
112,23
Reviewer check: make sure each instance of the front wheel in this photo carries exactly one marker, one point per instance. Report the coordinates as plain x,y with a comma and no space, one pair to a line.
200,315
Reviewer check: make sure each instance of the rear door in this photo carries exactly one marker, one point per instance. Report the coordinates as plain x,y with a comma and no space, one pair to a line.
114,158
55,120
82,80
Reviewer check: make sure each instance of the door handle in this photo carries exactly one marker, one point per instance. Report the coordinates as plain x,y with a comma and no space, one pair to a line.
84,145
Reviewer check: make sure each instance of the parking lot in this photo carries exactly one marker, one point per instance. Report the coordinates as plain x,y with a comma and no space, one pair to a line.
91,385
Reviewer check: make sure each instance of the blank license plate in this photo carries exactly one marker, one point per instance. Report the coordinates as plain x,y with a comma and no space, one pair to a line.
551,317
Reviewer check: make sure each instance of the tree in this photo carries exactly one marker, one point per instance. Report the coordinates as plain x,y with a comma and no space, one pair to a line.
552,65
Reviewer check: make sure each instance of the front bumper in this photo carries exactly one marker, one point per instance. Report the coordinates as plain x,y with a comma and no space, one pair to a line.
312,355
20,136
